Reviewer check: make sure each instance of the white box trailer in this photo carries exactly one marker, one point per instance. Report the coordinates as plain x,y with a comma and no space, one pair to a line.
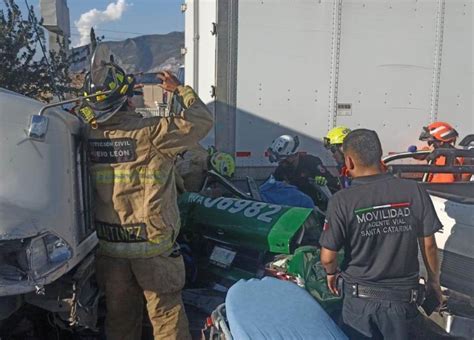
301,67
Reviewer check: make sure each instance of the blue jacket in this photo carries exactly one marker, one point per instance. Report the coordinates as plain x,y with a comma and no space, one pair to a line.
273,191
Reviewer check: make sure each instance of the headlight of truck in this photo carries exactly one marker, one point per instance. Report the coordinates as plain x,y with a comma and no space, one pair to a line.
46,253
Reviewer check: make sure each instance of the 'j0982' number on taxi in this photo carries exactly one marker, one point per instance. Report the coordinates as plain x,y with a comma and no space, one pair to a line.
260,210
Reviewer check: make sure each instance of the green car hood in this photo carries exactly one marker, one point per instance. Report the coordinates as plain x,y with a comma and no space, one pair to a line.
257,225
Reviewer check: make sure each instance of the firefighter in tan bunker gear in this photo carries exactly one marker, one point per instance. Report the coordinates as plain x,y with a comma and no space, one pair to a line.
136,213
191,169
193,165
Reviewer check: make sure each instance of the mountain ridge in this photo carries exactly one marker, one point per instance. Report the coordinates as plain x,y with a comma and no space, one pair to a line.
145,53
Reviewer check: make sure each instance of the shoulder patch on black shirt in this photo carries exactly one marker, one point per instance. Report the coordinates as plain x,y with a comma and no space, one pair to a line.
326,225
116,150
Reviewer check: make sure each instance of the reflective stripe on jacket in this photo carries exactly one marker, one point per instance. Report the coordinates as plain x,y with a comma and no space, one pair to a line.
133,174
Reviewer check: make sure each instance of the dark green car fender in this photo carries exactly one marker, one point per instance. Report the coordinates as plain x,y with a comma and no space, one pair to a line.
260,225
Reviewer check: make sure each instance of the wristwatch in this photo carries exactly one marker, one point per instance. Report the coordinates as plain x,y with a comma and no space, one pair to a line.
330,274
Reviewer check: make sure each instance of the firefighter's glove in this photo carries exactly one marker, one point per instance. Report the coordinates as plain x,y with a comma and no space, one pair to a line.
320,180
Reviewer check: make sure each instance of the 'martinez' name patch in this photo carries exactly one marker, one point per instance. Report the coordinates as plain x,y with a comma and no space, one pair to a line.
117,150
121,233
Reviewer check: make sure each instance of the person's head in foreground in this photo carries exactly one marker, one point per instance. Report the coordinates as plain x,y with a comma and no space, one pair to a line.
362,153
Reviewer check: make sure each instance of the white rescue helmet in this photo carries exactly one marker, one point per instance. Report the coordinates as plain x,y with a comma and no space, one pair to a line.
283,147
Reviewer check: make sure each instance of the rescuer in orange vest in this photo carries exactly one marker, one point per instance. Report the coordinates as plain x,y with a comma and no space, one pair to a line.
441,135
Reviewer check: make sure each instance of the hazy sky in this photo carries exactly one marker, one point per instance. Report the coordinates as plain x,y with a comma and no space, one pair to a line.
127,18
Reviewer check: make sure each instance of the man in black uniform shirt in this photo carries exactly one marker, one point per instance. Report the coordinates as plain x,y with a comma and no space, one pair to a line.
379,222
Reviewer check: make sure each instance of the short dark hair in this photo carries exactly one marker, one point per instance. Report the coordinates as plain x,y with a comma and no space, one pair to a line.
364,145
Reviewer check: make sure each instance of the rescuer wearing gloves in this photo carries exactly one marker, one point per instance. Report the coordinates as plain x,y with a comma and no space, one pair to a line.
136,213
379,222
301,170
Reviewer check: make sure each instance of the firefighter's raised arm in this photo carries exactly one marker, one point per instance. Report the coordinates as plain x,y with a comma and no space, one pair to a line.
174,134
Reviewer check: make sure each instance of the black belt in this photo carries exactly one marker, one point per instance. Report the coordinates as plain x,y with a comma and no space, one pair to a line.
402,295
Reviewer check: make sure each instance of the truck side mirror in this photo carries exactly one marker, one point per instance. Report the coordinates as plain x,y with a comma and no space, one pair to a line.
39,123
38,127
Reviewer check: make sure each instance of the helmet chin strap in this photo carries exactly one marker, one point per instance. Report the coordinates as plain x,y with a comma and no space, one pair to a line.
438,144
297,144
271,156
89,116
